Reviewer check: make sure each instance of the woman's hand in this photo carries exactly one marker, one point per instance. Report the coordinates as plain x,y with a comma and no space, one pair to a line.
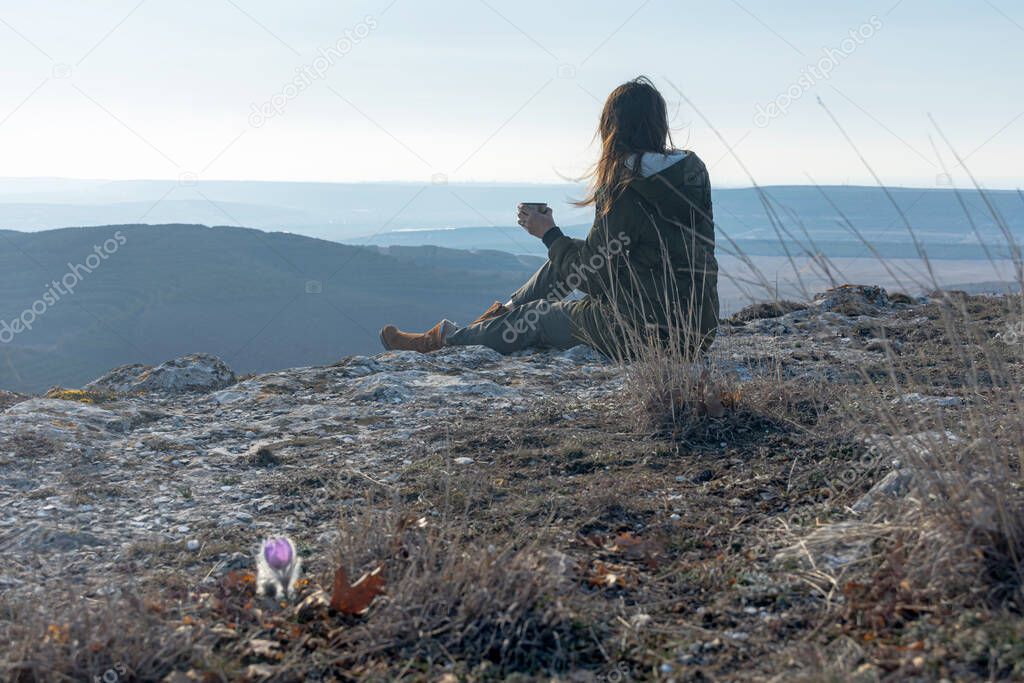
535,222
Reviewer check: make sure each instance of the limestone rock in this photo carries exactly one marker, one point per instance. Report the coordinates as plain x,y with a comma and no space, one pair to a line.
853,300
195,373
893,485
63,420
583,354
9,398
938,401
765,310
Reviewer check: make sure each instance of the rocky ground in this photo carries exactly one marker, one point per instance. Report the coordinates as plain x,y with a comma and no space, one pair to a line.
718,554
194,459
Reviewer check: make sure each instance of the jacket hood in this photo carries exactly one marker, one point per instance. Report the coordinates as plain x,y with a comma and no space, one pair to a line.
672,181
653,162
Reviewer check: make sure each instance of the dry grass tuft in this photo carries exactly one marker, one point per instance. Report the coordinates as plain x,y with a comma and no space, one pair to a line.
80,395
452,600
67,639
672,395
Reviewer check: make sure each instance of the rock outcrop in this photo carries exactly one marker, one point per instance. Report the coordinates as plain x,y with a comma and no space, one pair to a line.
199,372
181,455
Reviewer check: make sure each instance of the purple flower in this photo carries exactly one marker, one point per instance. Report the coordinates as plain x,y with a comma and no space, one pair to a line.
278,553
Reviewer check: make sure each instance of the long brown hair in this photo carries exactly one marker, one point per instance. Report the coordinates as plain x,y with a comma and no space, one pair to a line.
634,121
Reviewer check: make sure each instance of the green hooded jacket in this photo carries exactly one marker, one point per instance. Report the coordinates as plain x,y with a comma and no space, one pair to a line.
648,264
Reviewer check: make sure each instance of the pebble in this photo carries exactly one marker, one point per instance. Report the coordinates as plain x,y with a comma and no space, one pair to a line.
192,545
940,401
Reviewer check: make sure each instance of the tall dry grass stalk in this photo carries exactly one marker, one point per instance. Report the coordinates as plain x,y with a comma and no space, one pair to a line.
960,531
958,534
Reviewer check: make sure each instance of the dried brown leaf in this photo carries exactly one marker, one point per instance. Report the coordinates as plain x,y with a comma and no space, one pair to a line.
355,598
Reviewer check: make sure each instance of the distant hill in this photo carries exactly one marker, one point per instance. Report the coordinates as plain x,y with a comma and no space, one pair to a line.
335,211
809,219
413,214
259,300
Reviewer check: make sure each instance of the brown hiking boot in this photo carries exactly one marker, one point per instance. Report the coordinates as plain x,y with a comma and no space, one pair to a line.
394,339
496,309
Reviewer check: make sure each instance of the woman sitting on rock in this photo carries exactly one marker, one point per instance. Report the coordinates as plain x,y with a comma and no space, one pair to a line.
648,265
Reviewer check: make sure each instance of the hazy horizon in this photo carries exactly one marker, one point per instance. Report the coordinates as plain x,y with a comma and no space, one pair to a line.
481,215
582,183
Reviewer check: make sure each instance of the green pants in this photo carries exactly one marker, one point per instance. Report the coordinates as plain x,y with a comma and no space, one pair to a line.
539,318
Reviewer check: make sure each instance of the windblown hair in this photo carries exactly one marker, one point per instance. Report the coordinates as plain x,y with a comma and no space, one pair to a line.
634,121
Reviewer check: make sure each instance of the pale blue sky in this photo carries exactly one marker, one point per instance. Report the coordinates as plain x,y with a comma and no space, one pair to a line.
500,90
